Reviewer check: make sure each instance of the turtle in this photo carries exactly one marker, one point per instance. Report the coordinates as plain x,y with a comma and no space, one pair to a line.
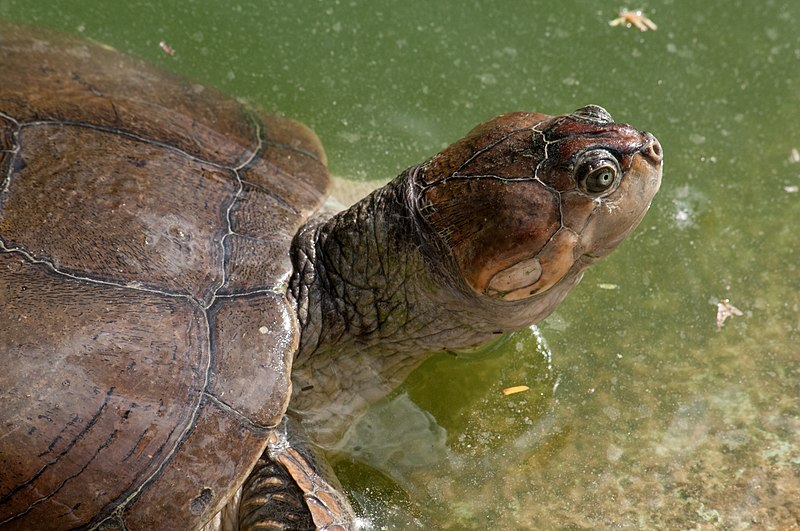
186,320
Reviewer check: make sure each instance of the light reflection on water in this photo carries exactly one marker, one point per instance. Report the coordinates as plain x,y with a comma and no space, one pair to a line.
658,419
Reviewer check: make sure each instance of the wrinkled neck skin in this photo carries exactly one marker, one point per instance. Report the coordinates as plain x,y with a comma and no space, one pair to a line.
376,296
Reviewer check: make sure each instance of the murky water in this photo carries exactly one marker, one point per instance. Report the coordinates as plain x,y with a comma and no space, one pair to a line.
641,414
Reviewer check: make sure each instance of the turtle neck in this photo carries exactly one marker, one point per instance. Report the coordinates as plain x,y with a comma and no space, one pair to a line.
376,295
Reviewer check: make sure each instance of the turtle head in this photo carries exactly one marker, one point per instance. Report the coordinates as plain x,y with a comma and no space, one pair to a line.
526,200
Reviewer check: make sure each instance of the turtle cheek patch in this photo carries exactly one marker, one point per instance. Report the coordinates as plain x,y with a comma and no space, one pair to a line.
519,275
538,274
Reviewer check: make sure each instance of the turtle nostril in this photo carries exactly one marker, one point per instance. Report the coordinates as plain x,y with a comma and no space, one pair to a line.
652,149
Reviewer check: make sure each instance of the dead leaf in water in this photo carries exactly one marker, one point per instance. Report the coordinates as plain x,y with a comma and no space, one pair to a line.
724,310
167,48
636,19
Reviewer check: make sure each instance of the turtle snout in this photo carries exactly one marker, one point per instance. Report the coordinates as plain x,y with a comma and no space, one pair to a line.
652,149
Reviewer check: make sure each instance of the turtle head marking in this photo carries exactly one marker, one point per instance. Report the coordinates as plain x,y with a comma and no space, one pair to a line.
526,200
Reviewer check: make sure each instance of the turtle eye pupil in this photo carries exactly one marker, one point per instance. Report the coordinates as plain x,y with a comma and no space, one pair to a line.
596,172
599,180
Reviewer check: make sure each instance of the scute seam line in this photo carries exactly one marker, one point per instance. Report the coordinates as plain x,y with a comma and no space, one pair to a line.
5,249
6,182
190,426
128,134
261,429
222,266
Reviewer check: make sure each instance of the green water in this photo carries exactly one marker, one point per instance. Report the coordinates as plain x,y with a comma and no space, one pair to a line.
641,414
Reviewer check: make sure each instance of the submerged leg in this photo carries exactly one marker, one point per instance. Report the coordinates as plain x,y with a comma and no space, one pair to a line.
292,487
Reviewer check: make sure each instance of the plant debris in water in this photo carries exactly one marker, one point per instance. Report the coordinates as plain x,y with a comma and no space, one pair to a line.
634,18
167,48
724,310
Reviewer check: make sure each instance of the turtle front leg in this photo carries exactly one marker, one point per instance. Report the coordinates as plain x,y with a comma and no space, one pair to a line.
291,487
272,500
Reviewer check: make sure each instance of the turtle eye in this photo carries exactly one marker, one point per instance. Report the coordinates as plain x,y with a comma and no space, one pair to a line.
597,172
